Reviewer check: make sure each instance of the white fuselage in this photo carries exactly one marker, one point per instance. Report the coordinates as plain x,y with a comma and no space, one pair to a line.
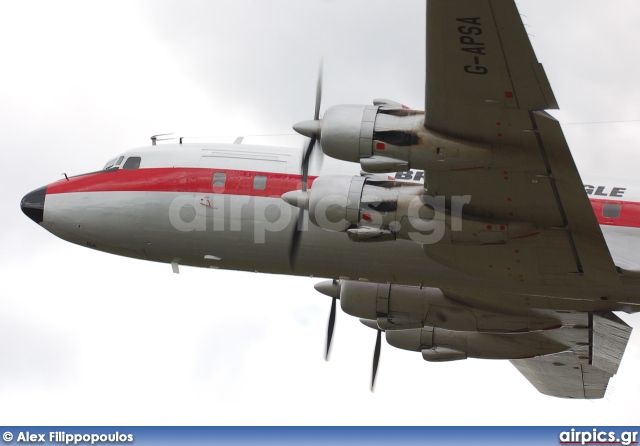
220,206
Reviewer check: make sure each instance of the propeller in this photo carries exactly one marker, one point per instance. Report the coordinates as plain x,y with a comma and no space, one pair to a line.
376,359
312,130
332,323
294,245
330,288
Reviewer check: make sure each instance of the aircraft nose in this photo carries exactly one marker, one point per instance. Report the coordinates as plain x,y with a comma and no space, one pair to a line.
33,204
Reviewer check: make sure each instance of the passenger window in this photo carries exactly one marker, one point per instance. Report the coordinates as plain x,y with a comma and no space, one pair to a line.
219,178
132,163
610,210
259,182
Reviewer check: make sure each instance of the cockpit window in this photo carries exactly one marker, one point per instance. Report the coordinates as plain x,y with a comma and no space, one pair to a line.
119,161
110,164
132,163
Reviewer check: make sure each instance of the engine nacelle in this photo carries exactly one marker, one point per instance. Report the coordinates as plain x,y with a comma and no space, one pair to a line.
361,133
397,307
373,209
437,344
366,208
347,131
334,202
388,138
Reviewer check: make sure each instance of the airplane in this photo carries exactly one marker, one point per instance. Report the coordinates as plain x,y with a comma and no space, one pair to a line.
461,231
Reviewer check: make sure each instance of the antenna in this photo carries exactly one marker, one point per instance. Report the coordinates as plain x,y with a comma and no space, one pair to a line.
154,138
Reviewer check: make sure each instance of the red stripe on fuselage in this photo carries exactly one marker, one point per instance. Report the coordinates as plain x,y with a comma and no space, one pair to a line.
629,213
240,182
187,180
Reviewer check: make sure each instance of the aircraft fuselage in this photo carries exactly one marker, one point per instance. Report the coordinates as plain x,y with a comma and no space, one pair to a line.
220,206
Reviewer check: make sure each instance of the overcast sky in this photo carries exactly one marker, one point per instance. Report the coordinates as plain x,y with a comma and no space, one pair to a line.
90,338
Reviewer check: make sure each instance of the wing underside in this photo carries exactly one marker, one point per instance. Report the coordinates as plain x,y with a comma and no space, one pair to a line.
485,85
479,58
583,371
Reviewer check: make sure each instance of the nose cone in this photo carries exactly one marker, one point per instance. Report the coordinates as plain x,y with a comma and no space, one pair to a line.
33,204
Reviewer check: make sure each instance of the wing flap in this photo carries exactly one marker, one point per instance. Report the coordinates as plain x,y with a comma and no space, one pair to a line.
610,338
532,90
584,370
591,253
545,87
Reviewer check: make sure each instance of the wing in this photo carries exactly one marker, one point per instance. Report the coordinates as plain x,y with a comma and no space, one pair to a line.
584,370
479,58
484,84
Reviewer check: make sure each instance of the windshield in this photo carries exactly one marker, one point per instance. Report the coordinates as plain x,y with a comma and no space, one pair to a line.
113,162
110,164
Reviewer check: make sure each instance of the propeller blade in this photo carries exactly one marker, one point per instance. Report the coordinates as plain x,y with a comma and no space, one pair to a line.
316,115
376,359
294,245
315,133
317,158
332,323
305,162
312,130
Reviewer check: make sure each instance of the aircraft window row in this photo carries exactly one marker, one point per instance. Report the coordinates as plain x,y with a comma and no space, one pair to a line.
132,163
220,179
611,210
